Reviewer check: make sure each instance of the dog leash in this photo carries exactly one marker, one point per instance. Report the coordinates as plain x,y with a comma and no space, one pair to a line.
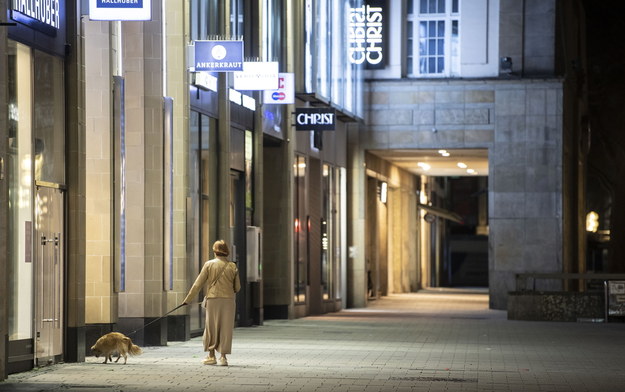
177,307
155,320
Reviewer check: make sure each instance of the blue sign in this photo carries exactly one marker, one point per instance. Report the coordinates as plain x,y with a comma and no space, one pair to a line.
41,16
218,56
119,3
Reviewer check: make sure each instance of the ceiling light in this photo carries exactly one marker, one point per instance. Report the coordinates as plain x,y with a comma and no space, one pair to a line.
471,171
445,154
462,165
442,152
424,166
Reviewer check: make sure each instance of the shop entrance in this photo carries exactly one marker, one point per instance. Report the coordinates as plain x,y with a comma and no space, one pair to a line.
49,271
239,251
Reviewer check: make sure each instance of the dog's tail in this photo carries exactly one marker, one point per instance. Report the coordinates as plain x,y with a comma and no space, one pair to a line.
133,349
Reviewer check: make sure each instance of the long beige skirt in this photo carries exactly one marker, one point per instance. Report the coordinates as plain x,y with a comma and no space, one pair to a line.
219,324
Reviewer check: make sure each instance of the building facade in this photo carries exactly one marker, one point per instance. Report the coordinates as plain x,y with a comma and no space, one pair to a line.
478,83
120,163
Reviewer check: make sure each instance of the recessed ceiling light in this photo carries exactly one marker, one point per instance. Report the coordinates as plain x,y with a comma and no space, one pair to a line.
462,165
424,166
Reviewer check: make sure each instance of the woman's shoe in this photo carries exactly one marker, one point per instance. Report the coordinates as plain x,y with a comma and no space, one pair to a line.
210,361
222,362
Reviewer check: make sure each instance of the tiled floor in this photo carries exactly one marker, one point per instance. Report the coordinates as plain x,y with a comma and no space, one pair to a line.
445,340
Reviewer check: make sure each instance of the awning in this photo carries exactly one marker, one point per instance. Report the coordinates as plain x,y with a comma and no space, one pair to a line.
441,212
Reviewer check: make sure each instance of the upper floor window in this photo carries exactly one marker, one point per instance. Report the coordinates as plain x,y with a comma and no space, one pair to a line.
432,32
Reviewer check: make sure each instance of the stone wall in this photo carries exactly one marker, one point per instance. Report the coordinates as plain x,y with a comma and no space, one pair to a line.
555,306
519,122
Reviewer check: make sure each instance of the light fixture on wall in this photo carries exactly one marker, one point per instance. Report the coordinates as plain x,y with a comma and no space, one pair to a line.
505,65
592,222
383,192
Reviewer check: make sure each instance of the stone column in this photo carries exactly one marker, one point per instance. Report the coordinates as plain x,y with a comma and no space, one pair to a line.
177,19
155,300
144,299
356,242
223,142
75,161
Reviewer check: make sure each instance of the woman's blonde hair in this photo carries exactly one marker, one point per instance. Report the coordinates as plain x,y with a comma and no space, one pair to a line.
221,248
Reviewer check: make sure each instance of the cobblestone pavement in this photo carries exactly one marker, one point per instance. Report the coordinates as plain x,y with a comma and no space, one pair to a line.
444,340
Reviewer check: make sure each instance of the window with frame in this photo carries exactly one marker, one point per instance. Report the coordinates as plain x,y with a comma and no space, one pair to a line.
432,32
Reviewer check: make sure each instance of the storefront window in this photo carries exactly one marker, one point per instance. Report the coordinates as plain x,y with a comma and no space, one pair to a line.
327,234
198,211
204,18
236,18
36,151
329,74
301,226
340,232
48,116
272,29
249,178
20,174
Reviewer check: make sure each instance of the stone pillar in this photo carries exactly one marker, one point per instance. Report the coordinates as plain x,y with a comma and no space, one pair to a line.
356,242
177,88
100,299
75,163
144,299
155,300
525,186
223,142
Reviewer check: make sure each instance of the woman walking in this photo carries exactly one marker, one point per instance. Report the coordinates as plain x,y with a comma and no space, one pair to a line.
220,280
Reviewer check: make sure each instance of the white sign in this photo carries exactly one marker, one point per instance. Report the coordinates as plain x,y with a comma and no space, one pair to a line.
205,80
242,100
120,9
257,76
365,37
285,93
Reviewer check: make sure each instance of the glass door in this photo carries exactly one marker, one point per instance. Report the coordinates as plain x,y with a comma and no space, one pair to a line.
49,267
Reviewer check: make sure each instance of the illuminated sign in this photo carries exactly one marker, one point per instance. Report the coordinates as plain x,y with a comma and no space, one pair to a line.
120,9
314,119
285,93
218,56
205,80
366,34
257,76
241,99
40,15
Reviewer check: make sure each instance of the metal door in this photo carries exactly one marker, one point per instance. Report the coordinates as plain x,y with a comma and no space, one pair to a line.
49,250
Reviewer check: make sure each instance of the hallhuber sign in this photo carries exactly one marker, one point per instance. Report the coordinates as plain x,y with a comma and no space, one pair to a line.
315,119
44,16
120,9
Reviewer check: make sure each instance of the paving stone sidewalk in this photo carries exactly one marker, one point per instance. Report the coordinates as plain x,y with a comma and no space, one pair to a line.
444,340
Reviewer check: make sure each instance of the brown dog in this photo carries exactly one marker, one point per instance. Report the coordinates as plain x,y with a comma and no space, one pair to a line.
115,342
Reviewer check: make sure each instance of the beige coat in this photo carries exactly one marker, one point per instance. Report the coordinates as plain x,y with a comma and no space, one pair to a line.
226,286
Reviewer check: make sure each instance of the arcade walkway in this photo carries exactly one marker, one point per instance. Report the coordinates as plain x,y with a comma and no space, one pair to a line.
444,340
